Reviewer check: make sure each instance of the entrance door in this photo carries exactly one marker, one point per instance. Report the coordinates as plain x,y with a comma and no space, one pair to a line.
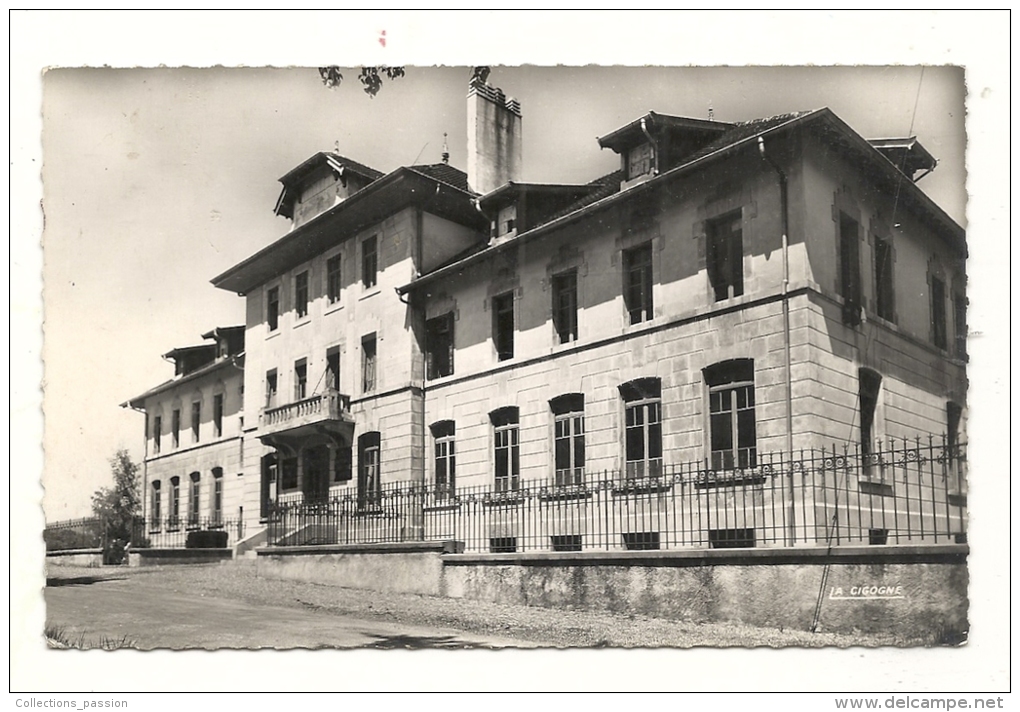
316,473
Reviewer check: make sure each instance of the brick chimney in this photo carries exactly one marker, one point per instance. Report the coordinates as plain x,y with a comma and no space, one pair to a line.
494,137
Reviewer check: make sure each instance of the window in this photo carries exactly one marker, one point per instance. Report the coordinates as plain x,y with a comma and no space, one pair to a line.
643,417
217,414
273,308
884,300
268,484
869,387
369,262
641,541
333,367
960,324
506,449
731,538
639,161
725,254
446,458
217,498
271,380
289,474
301,294
155,505
333,279
637,283
342,464
566,542
732,437
196,419
564,306
193,499
954,457
849,269
938,312
503,325
368,357
157,434
175,503
502,544
439,346
568,435
176,424
369,486
300,379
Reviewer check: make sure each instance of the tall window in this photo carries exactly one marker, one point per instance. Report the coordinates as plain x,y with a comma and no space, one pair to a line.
193,499
333,279
869,387
960,324
503,325
725,253
157,434
938,312
446,458
439,346
333,367
639,160
176,424
568,445
564,306
732,435
300,379
175,503
643,418
217,414
273,308
268,484
884,299
368,358
155,511
850,269
342,464
506,449
217,498
271,382
954,419
369,486
301,294
637,283
369,262
196,420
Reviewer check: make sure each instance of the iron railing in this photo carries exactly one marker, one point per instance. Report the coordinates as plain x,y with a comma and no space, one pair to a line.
174,532
909,491
87,533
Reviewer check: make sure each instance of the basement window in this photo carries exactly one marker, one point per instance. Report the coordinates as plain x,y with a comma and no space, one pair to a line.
641,541
731,538
503,544
566,542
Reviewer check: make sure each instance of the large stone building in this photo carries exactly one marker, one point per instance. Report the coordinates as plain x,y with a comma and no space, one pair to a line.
733,291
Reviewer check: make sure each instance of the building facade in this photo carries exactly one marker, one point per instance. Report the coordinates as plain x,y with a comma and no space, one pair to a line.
194,452
733,292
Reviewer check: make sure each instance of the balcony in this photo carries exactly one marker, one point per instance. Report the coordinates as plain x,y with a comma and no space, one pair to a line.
325,413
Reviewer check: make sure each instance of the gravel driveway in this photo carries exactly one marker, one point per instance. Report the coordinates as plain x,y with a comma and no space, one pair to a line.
156,607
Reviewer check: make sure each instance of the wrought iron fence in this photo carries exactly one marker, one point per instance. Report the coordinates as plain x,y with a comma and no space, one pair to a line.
187,532
909,491
87,533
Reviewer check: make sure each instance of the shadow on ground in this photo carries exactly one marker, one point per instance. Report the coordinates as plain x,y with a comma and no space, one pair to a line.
394,642
53,582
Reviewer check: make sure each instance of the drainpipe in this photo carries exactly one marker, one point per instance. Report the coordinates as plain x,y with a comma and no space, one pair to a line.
655,148
785,219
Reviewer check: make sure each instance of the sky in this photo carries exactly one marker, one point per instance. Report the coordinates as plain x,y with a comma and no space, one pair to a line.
156,180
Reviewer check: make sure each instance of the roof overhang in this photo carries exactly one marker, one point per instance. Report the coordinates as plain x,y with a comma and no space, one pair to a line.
397,190
954,234
905,153
509,192
138,402
628,136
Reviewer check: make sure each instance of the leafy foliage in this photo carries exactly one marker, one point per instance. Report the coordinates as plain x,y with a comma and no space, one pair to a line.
118,506
371,78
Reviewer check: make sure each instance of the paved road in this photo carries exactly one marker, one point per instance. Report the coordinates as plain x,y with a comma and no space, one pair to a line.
153,617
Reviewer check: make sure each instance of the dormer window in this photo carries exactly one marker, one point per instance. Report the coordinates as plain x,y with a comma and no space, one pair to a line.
639,161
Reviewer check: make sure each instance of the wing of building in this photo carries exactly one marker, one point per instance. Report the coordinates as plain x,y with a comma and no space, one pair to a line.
733,296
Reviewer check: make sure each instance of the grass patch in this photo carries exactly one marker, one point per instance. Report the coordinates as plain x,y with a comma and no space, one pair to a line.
58,637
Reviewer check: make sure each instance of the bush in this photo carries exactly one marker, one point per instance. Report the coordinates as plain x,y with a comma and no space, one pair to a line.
206,539
114,552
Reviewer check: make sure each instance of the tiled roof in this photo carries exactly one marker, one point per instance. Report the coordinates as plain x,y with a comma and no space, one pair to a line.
357,167
604,187
444,173
743,130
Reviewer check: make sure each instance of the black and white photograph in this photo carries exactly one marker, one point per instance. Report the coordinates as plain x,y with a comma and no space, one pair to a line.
498,358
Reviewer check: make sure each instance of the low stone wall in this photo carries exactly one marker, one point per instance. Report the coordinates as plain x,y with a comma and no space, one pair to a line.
908,591
412,567
165,557
75,557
